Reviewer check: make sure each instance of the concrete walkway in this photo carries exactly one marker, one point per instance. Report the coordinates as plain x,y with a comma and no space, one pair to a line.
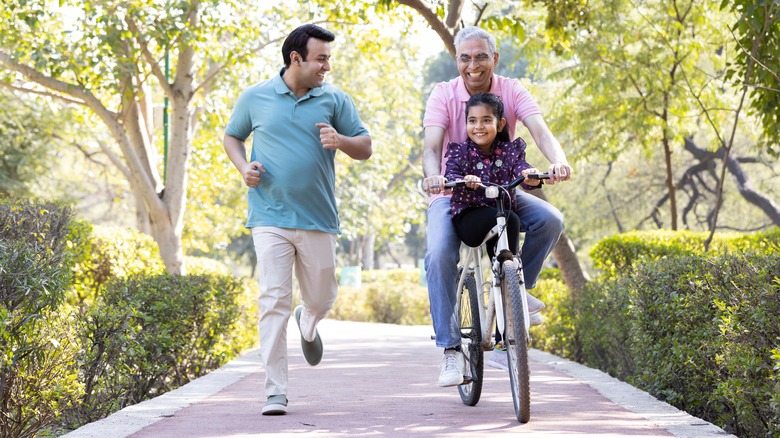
380,380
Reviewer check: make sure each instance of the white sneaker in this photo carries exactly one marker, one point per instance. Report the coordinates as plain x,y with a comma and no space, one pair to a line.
497,359
536,318
453,365
534,304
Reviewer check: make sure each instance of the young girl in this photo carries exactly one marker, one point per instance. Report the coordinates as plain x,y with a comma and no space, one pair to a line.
488,157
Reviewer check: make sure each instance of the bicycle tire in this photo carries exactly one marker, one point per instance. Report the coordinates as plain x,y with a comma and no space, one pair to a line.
516,340
471,342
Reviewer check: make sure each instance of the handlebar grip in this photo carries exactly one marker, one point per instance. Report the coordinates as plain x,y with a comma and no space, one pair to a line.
544,175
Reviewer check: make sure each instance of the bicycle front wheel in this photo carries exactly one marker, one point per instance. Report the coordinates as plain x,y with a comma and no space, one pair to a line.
471,342
516,339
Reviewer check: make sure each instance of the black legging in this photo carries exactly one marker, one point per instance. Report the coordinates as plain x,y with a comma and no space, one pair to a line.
472,224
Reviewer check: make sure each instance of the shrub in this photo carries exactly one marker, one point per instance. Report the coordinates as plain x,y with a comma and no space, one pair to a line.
103,253
618,254
387,296
705,338
700,331
556,335
36,355
146,335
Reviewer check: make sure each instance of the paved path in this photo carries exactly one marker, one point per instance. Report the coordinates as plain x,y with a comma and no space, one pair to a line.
379,379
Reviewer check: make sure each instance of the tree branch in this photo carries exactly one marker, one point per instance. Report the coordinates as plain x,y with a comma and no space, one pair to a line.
153,63
42,93
115,160
215,70
454,13
76,91
446,35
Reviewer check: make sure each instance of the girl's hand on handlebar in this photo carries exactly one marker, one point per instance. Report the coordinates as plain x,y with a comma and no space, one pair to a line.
434,185
472,181
559,172
532,182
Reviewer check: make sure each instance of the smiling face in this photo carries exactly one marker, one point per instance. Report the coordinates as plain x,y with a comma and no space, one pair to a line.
482,126
316,65
476,63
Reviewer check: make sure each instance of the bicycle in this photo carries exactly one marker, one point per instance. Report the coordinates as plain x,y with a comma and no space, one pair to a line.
506,304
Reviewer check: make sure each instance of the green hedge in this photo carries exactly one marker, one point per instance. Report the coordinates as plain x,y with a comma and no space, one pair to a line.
392,296
146,335
618,254
706,338
103,253
89,322
701,332
37,355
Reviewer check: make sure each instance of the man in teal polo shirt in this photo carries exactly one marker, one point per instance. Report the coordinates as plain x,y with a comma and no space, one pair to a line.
298,122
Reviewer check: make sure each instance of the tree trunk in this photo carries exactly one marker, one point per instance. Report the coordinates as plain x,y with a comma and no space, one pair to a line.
573,273
142,220
669,174
767,205
169,243
367,257
565,256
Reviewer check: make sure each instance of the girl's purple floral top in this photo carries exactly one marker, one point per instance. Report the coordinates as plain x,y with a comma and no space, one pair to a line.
502,165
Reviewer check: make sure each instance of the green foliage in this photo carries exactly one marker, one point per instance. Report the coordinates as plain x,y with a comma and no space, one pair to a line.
36,353
704,337
697,330
758,32
387,296
622,252
34,264
27,137
557,334
146,335
137,336
104,253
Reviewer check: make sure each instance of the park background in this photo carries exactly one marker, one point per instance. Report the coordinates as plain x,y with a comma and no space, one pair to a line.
117,191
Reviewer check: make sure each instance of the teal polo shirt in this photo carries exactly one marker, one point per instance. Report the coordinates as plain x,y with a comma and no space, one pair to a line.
297,190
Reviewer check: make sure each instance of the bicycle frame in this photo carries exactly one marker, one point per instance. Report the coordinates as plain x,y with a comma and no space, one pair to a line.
505,283
492,309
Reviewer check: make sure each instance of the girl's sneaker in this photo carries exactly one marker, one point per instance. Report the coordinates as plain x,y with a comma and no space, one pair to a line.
497,358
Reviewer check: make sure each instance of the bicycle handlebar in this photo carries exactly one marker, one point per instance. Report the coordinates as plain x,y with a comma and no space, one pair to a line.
511,185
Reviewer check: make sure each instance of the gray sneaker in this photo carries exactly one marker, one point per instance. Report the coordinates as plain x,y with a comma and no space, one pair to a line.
312,351
276,405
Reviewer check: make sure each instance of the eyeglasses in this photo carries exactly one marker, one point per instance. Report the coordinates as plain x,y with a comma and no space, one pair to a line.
478,60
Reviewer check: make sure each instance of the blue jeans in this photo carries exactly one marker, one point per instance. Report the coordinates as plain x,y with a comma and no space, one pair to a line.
540,221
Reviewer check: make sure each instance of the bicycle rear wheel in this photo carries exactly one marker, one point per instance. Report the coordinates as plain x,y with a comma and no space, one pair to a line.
471,342
516,340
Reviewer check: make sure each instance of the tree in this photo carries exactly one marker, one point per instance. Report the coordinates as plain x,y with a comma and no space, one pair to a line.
110,56
649,76
27,134
757,34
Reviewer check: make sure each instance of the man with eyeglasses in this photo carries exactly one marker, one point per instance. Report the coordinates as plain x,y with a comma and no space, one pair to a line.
445,122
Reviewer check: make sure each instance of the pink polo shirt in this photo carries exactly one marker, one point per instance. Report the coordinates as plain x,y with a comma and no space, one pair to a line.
446,109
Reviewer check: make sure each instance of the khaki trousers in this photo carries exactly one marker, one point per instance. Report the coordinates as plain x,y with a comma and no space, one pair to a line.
313,253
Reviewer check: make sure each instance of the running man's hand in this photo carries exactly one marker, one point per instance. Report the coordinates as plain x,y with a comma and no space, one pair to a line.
559,172
329,137
252,174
